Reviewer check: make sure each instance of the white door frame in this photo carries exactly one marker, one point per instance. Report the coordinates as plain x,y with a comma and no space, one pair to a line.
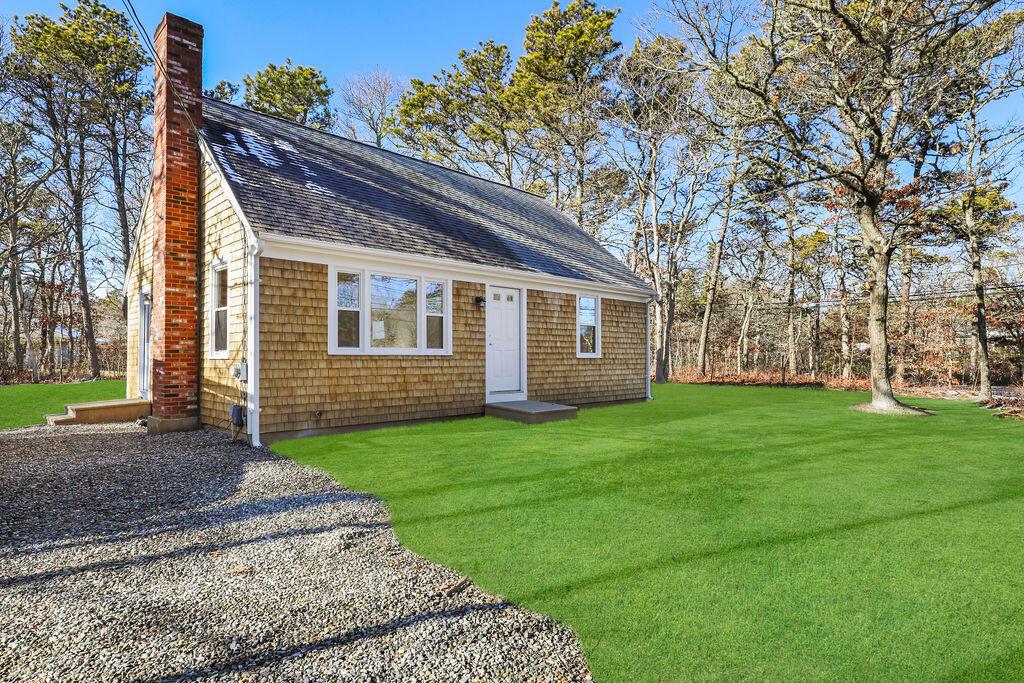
145,363
494,397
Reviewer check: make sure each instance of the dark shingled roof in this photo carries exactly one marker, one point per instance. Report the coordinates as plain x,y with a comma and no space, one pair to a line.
295,181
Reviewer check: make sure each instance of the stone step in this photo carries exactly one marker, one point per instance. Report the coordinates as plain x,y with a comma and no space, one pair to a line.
96,412
530,412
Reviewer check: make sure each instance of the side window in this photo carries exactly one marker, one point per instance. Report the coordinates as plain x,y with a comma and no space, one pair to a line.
588,326
219,308
348,310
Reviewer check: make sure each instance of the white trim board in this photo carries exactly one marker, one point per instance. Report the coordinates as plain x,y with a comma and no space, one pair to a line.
130,269
252,352
328,253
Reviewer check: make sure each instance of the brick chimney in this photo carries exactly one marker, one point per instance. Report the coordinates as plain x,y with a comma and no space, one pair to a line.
175,321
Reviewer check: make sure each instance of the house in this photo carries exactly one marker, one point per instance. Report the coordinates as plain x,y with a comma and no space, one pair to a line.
316,283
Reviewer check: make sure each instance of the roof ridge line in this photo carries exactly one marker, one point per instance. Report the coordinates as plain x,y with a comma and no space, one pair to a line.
381,149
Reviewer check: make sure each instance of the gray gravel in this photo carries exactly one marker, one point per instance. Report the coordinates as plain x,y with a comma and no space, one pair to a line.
185,557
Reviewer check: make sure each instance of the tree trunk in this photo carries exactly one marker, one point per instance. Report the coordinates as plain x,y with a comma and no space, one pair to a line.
846,341
117,172
1020,359
664,360
713,276
83,288
879,260
791,362
581,170
906,316
981,326
742,342
13,287
845,324
14,290
660,360
815,355
31,357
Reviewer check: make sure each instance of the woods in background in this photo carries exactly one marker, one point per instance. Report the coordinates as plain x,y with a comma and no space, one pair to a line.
813,189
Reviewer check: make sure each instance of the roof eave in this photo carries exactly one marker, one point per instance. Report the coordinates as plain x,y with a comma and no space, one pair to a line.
321,251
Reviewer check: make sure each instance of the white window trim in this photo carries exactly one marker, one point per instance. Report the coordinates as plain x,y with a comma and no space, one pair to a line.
597,326
217,265
365,348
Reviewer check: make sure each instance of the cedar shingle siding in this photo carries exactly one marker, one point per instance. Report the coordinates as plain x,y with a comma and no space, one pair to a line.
223,240
555,374
298,377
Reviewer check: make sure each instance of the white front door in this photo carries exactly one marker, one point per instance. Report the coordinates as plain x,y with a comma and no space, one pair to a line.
503,340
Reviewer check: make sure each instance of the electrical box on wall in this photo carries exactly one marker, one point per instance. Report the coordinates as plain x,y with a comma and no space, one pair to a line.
240,371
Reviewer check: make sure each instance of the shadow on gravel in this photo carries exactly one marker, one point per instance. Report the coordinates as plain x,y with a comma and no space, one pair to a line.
65,486
66,490
178,553
191,519
267,657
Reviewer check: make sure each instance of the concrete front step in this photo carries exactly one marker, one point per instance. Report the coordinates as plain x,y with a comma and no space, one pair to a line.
530,412
95,412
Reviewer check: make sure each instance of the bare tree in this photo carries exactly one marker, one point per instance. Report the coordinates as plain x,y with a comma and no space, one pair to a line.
368,102
847,88
980,161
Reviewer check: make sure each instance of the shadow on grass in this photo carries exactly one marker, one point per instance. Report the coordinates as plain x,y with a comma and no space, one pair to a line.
679,559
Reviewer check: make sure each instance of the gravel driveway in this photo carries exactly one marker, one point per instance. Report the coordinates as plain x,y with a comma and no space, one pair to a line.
185,557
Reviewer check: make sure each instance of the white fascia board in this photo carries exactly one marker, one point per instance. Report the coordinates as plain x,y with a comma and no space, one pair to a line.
327,253
225,186
138,233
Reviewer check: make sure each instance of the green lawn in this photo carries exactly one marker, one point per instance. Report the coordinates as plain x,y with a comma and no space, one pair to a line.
26,404
727,532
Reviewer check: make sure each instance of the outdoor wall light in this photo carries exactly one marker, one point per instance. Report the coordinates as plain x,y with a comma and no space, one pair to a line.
480,301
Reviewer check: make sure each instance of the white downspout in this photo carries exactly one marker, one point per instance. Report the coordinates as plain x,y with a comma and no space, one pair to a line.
253,344
647,346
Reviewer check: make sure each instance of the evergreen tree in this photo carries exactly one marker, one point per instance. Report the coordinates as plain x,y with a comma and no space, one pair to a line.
562,82
295,92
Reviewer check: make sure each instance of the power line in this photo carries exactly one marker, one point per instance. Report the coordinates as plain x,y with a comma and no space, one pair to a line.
926,295
148,44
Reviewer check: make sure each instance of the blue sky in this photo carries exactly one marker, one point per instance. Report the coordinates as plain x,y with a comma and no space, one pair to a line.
412,39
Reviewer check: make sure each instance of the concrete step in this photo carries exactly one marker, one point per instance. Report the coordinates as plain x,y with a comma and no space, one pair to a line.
530,412
96,412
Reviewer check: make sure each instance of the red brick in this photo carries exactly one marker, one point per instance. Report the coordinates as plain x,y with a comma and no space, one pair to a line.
175,349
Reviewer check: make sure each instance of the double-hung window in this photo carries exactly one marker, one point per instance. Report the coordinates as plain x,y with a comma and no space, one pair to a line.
588,326
434,311
347,301
219,310
388,313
